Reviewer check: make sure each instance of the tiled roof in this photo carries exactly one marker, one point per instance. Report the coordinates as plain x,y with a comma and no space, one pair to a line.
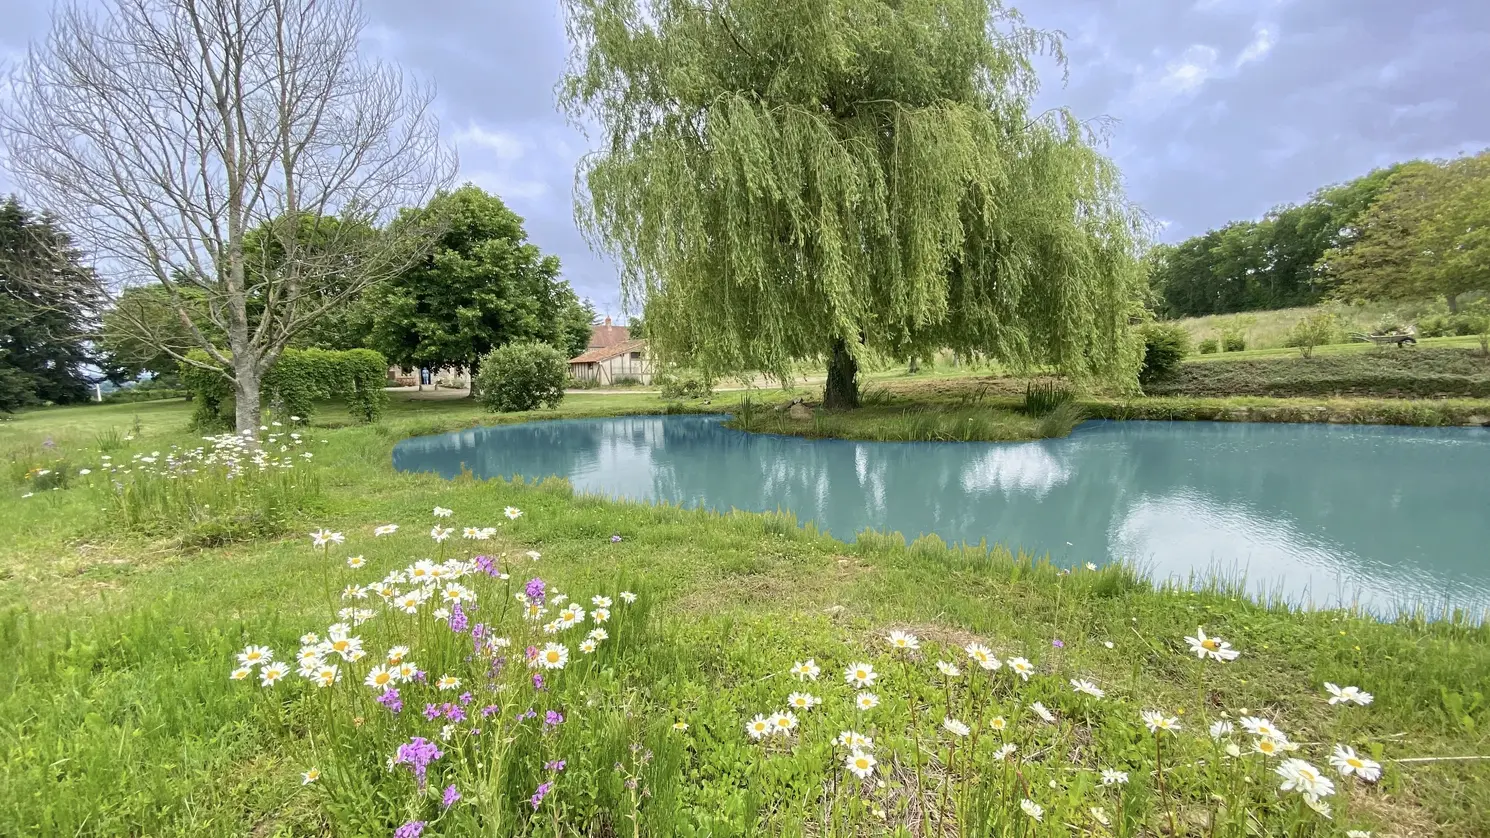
605,353
608,335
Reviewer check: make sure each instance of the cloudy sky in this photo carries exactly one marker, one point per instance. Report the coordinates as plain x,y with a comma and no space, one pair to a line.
1222,108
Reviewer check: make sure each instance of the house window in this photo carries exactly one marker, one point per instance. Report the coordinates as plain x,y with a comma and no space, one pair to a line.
636,356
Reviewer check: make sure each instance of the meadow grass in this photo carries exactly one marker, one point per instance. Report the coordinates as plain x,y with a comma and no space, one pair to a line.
118,716
1269,329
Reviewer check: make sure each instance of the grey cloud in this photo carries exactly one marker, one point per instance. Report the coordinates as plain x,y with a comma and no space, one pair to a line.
1223,108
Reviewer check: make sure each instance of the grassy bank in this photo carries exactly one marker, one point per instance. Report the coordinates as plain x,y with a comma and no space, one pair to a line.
1382,373
119,717
924,415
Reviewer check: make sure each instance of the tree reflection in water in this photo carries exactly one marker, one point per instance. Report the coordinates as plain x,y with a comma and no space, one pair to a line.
1314,512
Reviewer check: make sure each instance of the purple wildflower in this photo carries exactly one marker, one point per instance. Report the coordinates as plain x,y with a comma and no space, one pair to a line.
478,631
555,766
458,622
412,829
390,699
485,565
1058,643
421,676
538,795
552,719
534,590
465,698
451,795
418,753
488,710
528,715
431,712
454,713
537,681
615,539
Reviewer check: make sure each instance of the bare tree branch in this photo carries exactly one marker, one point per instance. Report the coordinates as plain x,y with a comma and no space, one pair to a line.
238,153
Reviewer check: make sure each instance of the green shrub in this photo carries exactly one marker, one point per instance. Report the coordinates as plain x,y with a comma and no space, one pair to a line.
1233,341
1209,346
581,384
684,387
522,376
1165,345
1317,329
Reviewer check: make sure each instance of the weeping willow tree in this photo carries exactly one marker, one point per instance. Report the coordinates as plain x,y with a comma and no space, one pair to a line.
788,180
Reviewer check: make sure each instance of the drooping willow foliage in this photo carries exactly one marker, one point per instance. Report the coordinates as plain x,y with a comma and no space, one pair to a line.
791,179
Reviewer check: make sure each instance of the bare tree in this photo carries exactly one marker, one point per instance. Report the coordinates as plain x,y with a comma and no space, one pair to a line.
240,153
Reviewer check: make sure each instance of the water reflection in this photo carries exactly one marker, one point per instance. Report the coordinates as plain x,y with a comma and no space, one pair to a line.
1314,512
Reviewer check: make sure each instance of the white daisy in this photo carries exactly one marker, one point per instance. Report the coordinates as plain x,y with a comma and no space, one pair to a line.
1348,762
806,670
1211,647
860,764
1082,685
860,675
904,641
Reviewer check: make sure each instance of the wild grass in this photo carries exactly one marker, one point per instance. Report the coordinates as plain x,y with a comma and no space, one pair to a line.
117,715
1044,397
1270,329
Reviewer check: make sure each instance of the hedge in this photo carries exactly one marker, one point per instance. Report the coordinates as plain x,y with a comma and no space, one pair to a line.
294,383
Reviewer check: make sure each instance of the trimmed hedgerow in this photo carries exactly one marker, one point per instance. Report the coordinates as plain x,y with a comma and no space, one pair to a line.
294,383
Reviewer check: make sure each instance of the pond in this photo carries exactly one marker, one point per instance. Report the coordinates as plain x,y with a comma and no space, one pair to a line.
1322,515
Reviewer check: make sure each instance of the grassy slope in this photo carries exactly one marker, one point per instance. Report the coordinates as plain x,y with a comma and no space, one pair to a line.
1269,329
1404,373
116,716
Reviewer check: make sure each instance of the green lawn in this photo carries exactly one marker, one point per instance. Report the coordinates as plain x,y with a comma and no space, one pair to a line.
122,620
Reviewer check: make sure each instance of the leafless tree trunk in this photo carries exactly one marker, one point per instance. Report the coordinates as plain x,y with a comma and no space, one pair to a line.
237,152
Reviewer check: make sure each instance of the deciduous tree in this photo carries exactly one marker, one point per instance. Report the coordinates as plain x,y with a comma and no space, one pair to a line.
167,131
1428,234
482,285
782,181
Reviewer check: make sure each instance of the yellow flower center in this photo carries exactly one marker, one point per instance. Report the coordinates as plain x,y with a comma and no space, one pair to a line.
553,657
382,678
1355,763
861,763
1210,644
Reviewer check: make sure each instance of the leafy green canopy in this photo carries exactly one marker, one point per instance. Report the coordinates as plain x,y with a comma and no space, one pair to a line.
780,178
1267,264
1427,235
483,285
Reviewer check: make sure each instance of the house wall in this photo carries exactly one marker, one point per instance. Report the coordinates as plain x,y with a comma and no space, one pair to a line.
607,371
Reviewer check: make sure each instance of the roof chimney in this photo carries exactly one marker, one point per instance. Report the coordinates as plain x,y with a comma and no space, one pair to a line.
607,320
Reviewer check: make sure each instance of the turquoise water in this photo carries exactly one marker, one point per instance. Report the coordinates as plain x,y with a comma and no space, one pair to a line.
1319,514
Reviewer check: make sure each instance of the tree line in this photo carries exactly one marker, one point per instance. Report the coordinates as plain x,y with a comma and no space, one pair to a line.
1412,230
479,284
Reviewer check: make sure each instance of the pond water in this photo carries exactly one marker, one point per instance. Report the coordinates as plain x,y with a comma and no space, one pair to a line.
1320,514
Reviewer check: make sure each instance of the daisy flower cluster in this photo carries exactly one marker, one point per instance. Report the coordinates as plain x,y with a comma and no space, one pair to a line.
1000,726
492,661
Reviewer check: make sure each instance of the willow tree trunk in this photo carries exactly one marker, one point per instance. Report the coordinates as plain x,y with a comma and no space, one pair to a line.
1453,300
842,389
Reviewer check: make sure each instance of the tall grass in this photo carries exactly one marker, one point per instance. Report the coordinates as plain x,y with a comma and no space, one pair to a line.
1044,397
